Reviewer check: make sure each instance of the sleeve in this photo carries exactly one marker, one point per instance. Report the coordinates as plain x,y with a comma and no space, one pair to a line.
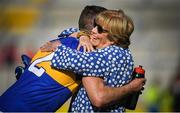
82,63
69,42
67,32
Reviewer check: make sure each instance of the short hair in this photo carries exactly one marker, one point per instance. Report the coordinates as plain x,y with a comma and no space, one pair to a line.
87,16
119,25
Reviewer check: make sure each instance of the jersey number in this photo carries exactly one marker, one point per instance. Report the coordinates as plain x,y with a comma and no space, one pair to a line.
36,70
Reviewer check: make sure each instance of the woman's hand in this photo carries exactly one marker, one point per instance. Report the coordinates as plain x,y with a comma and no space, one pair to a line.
84,41
50,46
137,84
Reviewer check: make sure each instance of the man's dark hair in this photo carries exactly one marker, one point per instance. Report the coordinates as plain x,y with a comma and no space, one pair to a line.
88,14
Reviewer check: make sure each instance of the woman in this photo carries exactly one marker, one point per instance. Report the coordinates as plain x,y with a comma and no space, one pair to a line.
112,61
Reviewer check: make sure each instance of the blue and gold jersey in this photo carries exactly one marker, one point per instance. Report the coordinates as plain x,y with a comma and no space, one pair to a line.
41,88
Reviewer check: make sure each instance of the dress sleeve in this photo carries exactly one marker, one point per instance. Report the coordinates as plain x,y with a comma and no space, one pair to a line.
67,32
82,63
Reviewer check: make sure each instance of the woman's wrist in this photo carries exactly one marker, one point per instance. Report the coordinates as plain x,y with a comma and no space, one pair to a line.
82,33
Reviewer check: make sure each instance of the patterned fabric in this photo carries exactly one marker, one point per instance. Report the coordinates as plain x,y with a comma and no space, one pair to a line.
113,63
67,32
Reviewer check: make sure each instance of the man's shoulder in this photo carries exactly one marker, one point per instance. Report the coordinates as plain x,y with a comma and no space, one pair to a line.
40,54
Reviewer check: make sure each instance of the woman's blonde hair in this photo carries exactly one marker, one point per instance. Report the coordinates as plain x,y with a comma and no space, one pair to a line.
118,24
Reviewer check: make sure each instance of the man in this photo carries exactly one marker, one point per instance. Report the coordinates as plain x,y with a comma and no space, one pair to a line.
41,88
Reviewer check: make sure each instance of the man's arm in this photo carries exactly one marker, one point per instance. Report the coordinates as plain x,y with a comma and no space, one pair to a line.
101,95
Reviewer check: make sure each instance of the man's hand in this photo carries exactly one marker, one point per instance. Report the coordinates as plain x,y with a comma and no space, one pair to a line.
50,46
20,69
84,42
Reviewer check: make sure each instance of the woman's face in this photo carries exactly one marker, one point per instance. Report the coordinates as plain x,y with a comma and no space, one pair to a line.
99,37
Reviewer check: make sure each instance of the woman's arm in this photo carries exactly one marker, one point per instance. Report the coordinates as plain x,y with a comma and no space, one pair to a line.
86,64
83,36
101,95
